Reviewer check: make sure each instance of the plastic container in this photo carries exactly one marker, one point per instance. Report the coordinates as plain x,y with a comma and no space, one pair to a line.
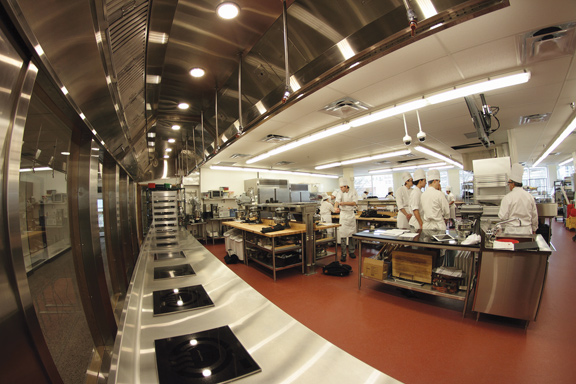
513,241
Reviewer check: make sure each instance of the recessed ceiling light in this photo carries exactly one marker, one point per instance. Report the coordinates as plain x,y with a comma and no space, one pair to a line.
176,127
197,72
228,10
183,105
65,153
168,149
166,156
171,141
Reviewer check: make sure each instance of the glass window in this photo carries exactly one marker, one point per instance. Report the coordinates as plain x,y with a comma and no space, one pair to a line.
376,185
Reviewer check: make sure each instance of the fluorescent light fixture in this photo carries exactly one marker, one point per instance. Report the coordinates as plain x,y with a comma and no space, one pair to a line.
197,72
108,80
427,8
94,132
407,168
176,127
438,156
36,169
151,144
566,162
82,116
245,169
567,131
228,10
157,37
389,112
148,107
171,141
152,134
306,140
64,90
183,106
166,156
443,167
365,159
153,79
490,84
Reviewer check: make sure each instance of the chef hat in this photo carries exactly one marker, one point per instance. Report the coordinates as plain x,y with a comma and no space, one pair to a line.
433,174
448,188
343,181
516,173
390,189
419,174
405,177
325,196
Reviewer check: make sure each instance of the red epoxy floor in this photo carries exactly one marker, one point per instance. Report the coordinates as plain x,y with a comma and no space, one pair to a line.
425,339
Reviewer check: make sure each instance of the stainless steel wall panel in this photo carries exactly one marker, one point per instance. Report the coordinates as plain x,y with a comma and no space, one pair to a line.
87,253
19,327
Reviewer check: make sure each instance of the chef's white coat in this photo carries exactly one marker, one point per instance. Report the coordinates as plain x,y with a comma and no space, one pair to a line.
434,209
403,201
347,213
415,203
450,198
519,204
326,209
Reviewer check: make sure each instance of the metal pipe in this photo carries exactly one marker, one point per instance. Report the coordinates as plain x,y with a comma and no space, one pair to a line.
286,68
412,17
241,127
217,147
202,126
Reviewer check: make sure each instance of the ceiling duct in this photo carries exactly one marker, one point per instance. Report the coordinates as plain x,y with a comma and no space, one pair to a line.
548,43
275,139
345,107
537,118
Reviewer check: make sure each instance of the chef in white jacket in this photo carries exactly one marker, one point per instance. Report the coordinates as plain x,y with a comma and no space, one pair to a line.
326,209
518,204
403,202
435,209
415,199
346,202
451,204
390,195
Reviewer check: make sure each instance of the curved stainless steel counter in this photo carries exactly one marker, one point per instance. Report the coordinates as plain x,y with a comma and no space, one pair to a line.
286,350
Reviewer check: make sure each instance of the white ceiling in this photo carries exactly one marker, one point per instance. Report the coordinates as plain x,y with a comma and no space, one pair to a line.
479,48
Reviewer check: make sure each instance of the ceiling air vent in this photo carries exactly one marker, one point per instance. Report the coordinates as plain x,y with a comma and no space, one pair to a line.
345,107
283,163
537,118
275,139
239,155
226,163
547,43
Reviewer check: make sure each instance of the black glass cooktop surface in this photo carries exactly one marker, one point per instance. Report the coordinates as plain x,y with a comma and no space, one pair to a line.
212,356
180,299
173,271
165,243
164,237
169,255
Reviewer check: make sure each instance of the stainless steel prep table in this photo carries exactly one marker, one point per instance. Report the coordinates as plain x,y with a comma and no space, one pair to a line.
286,350
423,240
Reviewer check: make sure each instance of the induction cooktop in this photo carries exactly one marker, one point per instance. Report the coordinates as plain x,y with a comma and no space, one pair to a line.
169,255
212,356
173,271
180,299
